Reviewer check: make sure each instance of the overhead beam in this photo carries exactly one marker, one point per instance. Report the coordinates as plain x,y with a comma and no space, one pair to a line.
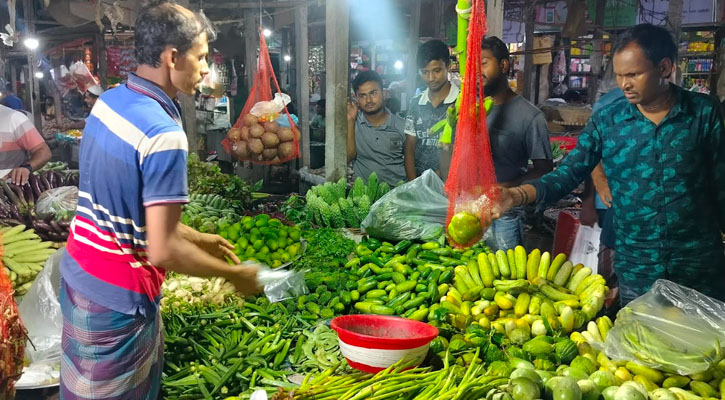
255,5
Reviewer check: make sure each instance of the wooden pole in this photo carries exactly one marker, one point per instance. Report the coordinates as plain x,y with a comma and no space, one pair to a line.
494,18
250,46
34,89
597,58
411,66
337,64
188,115
674,16
303,80
529,67
102,61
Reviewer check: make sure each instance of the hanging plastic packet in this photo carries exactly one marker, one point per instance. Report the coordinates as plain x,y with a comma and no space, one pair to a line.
471,185
257,136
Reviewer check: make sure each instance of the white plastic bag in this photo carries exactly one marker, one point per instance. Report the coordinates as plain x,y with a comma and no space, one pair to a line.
60,202
585,250
272,107
41,314
414,210
671,328
280,284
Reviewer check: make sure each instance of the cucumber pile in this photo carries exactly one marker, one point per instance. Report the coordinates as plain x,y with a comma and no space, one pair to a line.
530,291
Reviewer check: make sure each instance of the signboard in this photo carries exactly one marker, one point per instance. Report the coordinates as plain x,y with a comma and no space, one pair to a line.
618,13
693,11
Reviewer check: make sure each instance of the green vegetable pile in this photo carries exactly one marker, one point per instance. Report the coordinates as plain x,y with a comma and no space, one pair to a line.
214,351
204,211
207,178
452,382
263,239
330,205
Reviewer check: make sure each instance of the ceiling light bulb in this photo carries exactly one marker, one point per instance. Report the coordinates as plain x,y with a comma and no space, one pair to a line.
31,43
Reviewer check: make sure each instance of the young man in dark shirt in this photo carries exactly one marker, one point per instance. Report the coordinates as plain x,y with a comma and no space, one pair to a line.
427,109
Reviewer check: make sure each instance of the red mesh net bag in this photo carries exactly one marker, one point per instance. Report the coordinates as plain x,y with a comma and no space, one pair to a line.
471,185
264,132
12,338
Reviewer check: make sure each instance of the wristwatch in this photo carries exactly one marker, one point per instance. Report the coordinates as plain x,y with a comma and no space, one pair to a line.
28,167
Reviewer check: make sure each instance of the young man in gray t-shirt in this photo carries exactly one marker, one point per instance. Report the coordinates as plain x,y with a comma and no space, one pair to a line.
374,135
518,133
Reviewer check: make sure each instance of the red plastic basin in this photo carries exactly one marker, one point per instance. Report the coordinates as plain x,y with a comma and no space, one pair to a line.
372,343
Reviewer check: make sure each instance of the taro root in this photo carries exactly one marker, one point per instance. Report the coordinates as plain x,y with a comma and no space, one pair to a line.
234,134
285,134
239,149
244,133
270,140
255,146
271,127
269,154
256,131
286,150
250,120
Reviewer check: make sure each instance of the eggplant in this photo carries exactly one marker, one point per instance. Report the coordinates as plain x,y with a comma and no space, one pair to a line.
58,178
44,184
42,226
55,226
10,222
15,212
65,223
35,185
29,195
12,196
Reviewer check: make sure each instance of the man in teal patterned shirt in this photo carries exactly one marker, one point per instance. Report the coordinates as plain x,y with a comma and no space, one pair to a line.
663,151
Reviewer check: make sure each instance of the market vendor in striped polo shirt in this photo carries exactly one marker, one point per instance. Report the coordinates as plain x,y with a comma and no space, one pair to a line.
23,150
126,233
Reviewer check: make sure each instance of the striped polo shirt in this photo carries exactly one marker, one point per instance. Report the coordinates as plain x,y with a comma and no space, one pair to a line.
18,136
133,155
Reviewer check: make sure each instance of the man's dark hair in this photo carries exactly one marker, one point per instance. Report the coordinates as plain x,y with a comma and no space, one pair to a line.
655,41
365,77
321,103
165,24
433,50
497,47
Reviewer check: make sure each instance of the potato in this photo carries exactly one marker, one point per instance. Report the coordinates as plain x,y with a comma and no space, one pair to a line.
285,134
244,133
250,120
239,150
286,150
234,134
255,146
269,154
271,127
270,140
256,131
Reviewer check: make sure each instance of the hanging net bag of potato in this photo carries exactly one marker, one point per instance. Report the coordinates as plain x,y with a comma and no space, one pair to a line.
265,132
471,185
